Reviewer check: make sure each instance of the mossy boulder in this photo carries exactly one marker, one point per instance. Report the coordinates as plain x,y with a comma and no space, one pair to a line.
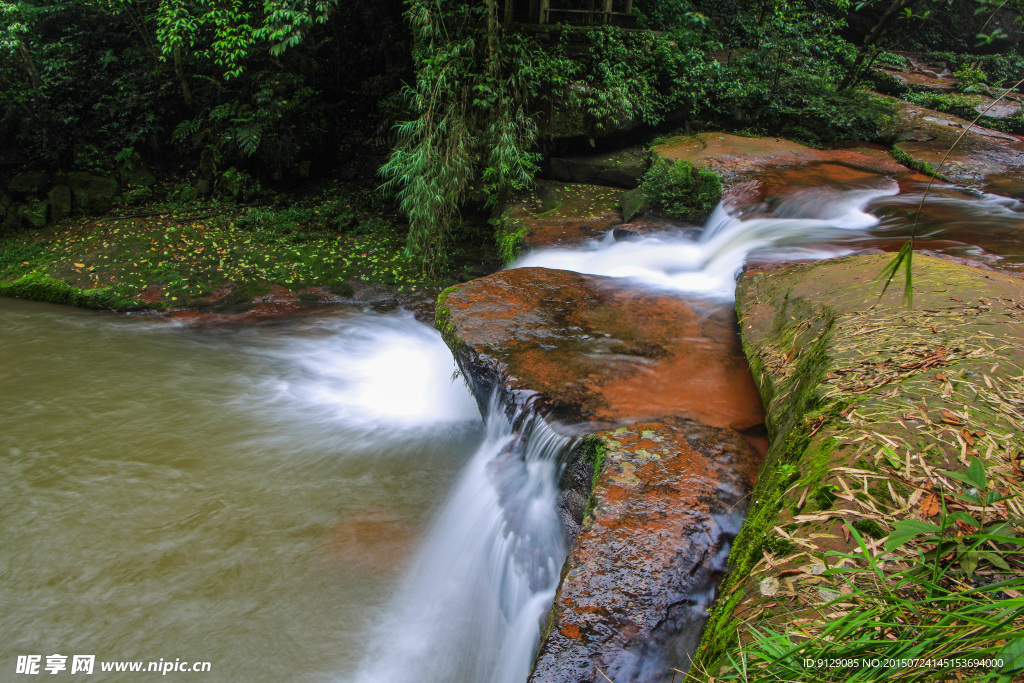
28,183
34,213
134,174
866,400
90,193
60,202
622,168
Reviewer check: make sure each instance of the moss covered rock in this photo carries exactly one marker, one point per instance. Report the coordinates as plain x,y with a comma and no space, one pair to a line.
91,193
28,183
556,214
60,202
866,400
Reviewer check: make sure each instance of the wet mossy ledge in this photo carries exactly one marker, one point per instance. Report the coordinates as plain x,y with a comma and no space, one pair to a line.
870,404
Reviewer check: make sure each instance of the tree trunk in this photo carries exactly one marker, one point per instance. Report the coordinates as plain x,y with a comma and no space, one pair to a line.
30,66
185,92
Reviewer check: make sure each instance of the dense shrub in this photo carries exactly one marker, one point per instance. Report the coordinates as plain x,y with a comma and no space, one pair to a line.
680,190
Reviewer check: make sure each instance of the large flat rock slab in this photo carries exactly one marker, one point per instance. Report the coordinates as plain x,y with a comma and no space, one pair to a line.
631,601
737,158
983,159
653,500
592,352
869,401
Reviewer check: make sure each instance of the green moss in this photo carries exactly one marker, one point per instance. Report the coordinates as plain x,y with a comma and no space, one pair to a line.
793,414
777,545
443,319
594,453
824,497
915,164
511,244
42,287
870,528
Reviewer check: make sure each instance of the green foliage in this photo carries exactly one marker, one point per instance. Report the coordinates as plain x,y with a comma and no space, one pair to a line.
957,104
782,79
969,78
483,98
272,88
680,190
936,593
1001,69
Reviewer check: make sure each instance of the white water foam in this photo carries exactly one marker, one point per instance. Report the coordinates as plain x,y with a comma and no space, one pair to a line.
472,604
707,264
371,371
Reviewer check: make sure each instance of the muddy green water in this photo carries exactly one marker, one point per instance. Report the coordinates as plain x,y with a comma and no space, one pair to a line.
246,497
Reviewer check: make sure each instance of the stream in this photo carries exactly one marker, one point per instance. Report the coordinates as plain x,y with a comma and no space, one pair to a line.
318,499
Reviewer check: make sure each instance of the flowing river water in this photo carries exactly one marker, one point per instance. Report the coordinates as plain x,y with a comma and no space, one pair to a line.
318,499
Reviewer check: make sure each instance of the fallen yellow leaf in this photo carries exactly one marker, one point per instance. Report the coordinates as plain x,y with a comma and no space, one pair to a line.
80,265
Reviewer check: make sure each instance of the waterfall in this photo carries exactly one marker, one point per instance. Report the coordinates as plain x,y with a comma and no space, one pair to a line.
814,224
473,602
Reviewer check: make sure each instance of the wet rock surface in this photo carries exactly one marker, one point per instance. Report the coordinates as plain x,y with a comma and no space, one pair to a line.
631,602
737,159
983,159
664,384
592,352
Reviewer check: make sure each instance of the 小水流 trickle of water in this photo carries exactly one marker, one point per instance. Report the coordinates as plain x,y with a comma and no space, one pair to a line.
473,602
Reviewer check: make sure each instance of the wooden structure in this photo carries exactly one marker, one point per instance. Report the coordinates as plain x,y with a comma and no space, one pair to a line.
573,12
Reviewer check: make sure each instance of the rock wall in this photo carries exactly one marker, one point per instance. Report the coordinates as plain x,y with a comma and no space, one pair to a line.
34,199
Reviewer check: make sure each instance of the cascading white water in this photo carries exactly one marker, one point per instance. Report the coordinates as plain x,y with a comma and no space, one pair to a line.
706,263
472,604
471,607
